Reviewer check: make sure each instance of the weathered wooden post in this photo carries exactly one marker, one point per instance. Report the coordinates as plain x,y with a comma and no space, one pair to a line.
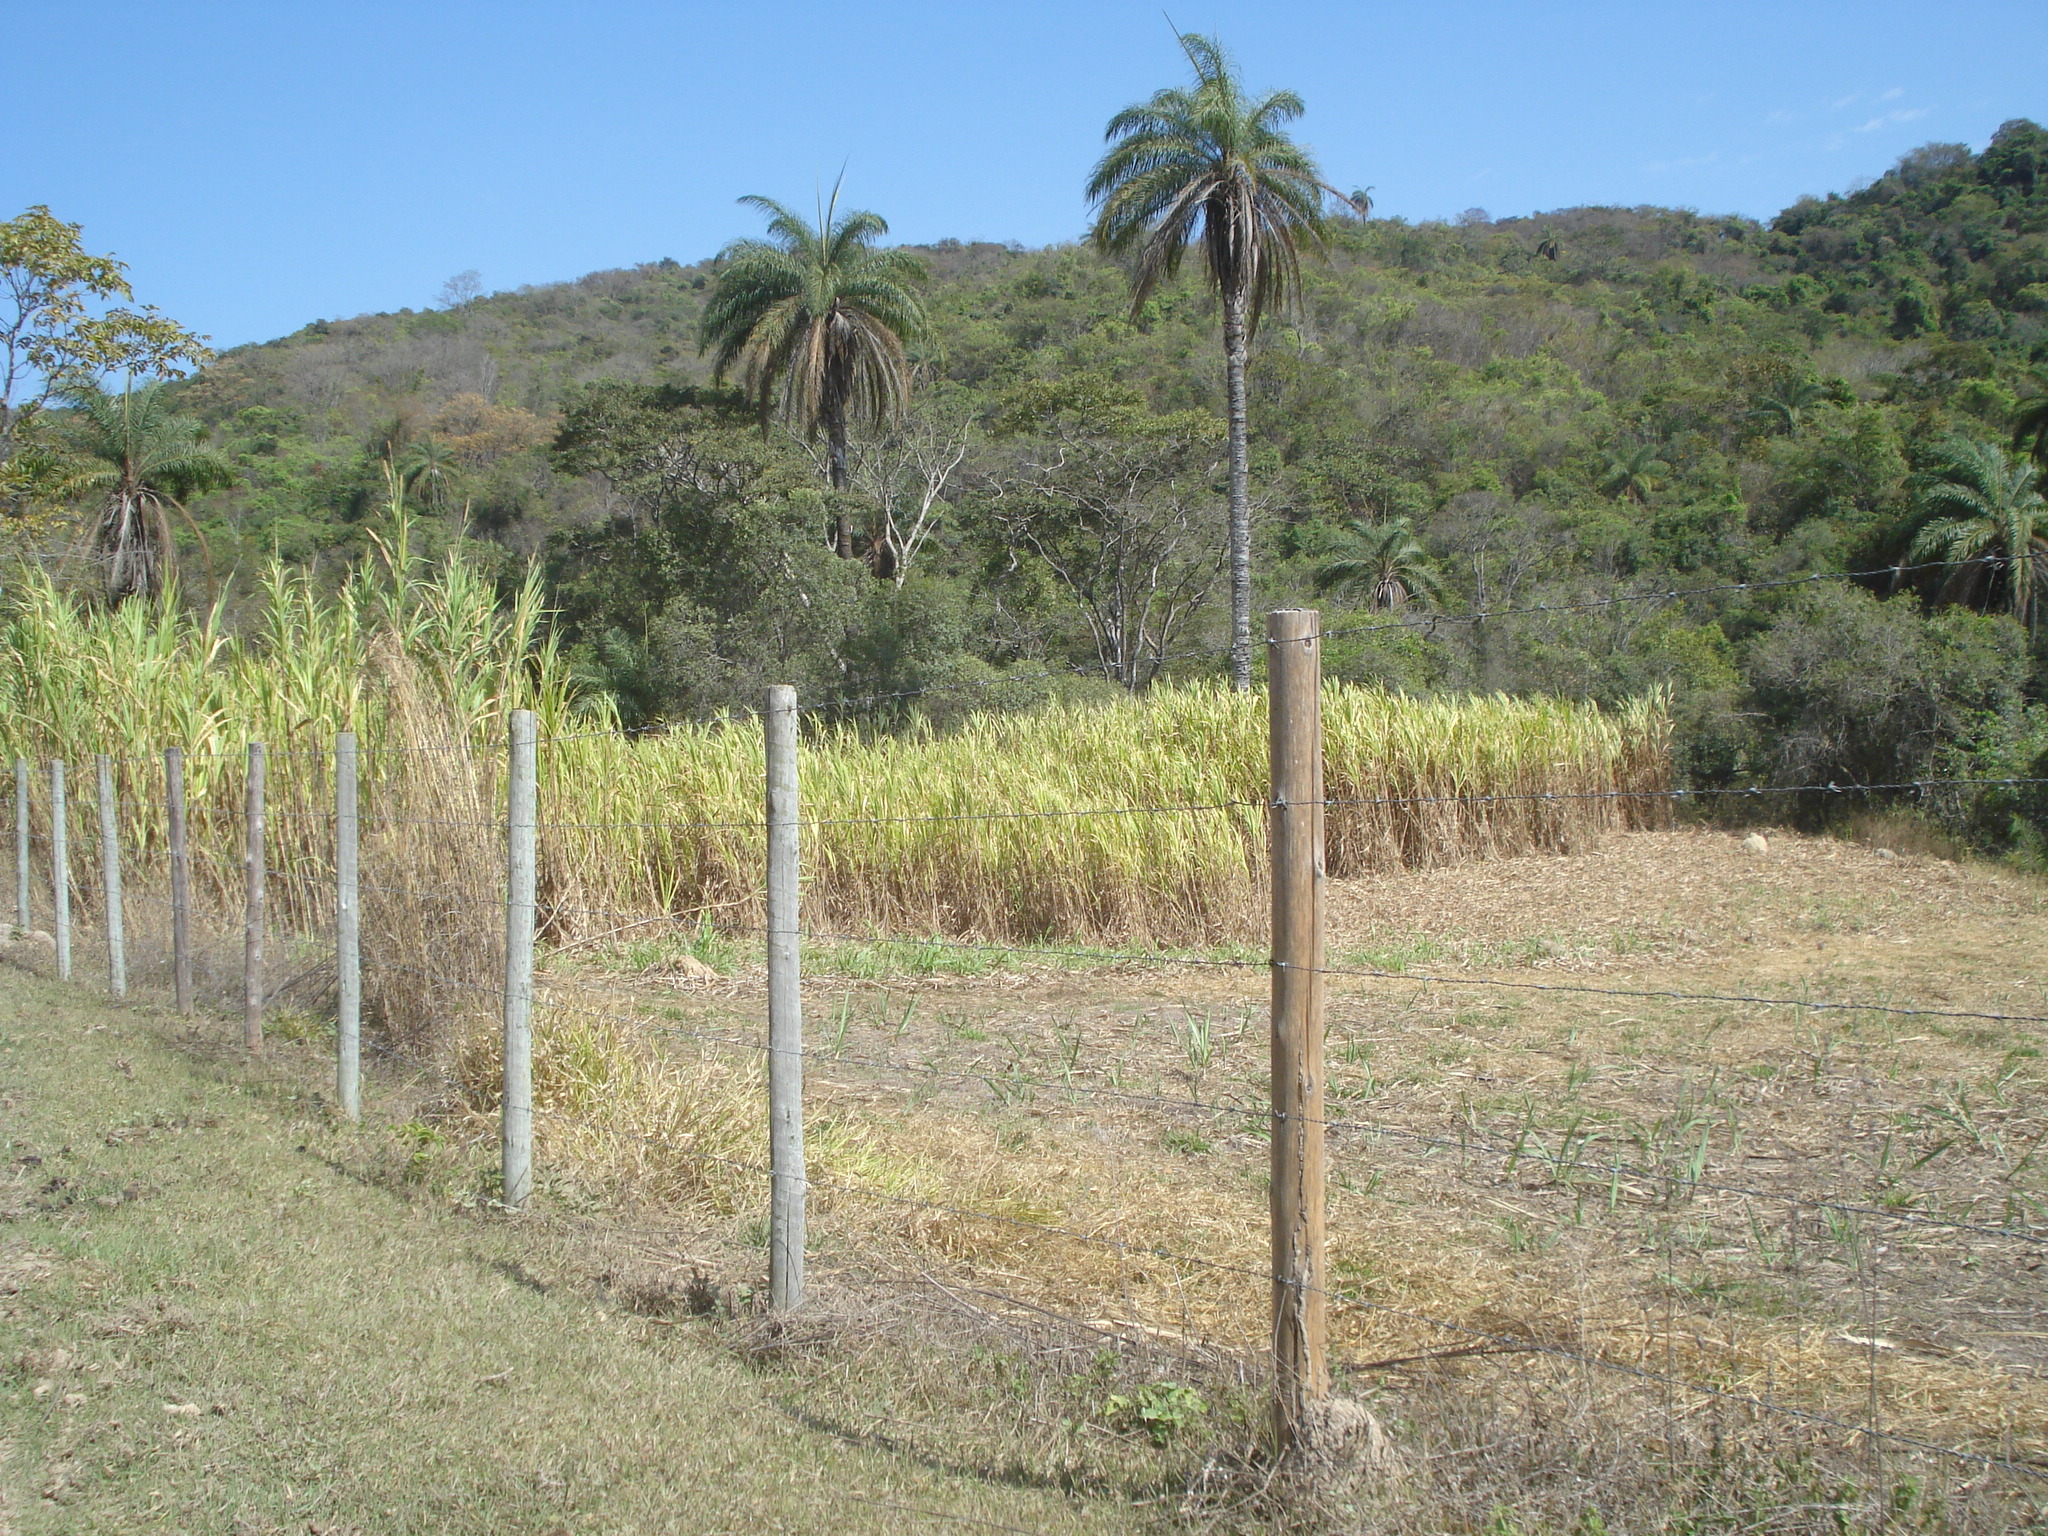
786,1174
181,878
60,870
110,882
516,1109
348,953
252,918
1301,1372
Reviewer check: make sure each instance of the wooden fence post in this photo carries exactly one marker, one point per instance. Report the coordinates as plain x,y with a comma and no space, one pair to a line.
516,1107
21,880
181,878
110,882
1301,1372
348,954
60,869
786,1234
252,920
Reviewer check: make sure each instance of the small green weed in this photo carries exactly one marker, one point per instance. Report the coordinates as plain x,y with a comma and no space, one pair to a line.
1161,1409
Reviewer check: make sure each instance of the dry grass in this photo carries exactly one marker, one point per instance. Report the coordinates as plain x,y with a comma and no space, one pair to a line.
1479,1188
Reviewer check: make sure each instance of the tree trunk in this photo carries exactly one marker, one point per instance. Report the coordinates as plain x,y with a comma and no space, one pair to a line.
1234,351
835,438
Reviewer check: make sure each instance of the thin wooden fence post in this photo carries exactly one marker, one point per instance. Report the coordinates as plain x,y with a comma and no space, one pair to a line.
348,954
60,870
516,1110
110,882
252,918
1301,1372
181,878
786,1234
22,913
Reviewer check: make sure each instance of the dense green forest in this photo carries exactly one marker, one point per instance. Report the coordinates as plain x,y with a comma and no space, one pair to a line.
1527,414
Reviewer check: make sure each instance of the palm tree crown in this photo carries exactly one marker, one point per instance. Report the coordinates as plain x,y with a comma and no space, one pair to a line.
1386,562
427,468
1212,167
140,459
1980,510
819,316
1788,404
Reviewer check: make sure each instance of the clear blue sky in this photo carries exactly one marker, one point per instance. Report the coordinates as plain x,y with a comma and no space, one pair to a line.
262,165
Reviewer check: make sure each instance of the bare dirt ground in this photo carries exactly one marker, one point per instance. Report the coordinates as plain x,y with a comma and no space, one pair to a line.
1840,1211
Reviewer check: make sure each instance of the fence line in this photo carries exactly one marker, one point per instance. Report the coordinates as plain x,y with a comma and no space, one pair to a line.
1463,1143
1490,1340
1296,970
1748,791
1165,958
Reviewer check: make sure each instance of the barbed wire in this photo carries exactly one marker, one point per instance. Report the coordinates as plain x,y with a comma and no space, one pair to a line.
231,811
552,912
1096,670
1507,1342
1463,1143
1090,670
1518,1343
1656,994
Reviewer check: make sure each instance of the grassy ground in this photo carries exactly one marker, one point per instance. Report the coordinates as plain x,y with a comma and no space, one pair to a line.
209,1322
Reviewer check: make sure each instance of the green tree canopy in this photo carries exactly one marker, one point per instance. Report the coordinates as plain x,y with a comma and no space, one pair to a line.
54,332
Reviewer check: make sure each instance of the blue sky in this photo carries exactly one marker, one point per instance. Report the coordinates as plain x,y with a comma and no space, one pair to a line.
262,165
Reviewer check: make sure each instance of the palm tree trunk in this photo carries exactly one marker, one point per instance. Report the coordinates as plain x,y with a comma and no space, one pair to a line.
1234,353
835,465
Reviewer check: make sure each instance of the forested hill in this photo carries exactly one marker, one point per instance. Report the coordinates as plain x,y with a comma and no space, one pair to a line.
1562,406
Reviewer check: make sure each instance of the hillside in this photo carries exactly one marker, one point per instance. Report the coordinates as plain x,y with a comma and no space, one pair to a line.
1564,406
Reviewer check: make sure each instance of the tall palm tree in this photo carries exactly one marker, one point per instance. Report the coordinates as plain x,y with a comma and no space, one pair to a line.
2030,420
139,460
1386,562
1980,508
820,316
1213,167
